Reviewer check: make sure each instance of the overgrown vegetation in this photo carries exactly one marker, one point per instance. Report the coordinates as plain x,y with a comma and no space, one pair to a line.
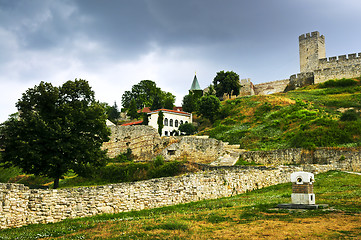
120,169
325,115
249,215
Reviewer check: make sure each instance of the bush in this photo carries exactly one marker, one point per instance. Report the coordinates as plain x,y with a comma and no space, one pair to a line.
187,128
349,115
338,83
7,173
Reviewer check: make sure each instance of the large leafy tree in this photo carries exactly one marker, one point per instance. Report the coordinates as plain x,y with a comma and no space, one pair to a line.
226,82
58,129
189,103
144,93
208,107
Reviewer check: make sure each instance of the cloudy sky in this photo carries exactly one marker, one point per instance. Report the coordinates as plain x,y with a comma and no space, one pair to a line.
114,44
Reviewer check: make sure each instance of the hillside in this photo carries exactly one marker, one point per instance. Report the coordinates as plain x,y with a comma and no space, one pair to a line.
324,115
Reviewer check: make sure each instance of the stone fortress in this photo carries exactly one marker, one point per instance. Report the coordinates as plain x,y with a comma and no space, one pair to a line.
314,68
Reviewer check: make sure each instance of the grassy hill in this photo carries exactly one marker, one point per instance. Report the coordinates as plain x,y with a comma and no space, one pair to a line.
246,216
324,115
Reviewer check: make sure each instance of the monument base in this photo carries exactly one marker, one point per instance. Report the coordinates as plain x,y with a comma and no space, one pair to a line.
301,206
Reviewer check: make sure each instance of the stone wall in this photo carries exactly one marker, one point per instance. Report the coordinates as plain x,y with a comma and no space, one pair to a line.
344,159
142,140
145,143
20,205
271,87
199,149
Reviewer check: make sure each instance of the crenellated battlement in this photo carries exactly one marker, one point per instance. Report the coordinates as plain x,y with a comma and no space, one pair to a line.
314,34
341,58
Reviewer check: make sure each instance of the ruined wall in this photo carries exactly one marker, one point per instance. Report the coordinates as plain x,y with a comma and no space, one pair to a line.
344,159
300,80
247,87
20,205
142,140
145,143
199,149
271,87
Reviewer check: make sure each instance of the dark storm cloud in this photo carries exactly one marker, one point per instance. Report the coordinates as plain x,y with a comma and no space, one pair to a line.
117,43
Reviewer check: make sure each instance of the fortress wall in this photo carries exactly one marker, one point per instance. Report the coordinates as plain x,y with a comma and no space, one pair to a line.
339,61
344,159
348,71
300,80
142,140
200,149
145,143
247,87
20,205
271,87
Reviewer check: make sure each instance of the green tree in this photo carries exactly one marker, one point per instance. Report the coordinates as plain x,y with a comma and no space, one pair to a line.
169,100
160,122
208,107
226,82
144,94
189,103
211,90
187,128
113,112
133,110
157,103
58,129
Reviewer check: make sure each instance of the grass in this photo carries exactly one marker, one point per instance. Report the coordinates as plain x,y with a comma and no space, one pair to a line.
249,215
305,118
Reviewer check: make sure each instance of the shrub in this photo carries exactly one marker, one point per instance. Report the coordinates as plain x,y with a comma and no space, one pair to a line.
338,83
349,115
187,128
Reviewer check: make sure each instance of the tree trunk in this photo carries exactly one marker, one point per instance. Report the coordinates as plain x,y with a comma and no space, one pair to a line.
56,182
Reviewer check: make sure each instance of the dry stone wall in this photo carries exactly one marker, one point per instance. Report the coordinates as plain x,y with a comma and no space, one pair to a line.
344,159
199,149
145,143
142,140
20,205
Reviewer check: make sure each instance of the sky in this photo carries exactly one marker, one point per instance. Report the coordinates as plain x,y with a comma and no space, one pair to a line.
114,44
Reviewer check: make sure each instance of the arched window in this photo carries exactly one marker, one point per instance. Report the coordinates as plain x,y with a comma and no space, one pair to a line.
181,122
176,123
171,122
186,121
165,121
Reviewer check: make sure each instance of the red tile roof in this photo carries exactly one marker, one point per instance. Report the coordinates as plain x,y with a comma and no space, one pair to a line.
173,111
132,123
144,110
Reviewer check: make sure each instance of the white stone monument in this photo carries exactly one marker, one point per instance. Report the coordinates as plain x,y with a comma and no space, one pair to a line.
302,188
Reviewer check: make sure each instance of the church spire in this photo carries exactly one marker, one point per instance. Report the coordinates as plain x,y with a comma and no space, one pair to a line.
195,84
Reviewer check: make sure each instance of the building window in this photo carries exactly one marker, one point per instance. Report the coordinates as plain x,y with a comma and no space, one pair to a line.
186,121
171,122
181,122
166,133
176,123
165,121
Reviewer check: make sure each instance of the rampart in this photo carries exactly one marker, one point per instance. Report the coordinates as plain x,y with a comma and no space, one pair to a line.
145,143
20,205
199,149
271,87
142,140
344,159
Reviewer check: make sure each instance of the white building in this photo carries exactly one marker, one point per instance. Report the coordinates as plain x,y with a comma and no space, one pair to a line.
172,120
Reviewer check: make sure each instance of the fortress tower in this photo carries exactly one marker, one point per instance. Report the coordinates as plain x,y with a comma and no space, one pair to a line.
312,48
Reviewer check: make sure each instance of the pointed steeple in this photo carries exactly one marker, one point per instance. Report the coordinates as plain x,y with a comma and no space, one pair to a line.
195,84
